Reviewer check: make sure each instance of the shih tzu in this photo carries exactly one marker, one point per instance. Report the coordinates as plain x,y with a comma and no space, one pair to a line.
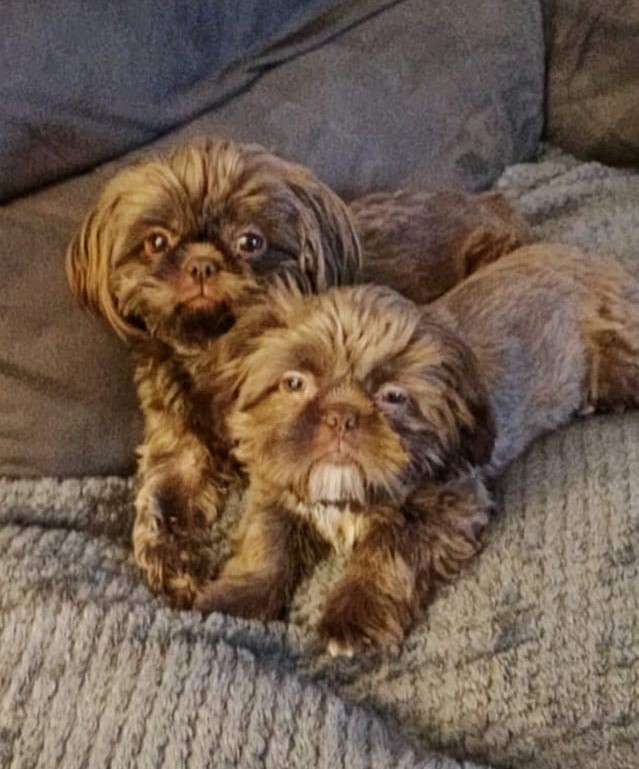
370,425
175,249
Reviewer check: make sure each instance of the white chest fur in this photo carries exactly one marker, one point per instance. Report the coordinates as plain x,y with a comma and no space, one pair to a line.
337,524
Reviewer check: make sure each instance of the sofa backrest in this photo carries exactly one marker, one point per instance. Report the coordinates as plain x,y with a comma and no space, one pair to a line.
593,78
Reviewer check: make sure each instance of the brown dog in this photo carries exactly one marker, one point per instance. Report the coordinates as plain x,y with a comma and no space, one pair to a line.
367,424
174,250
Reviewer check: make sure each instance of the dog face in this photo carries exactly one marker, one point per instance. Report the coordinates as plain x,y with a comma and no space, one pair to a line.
176,243
355,395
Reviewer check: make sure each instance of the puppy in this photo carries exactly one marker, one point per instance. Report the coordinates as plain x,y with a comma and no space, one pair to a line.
369,425
174,250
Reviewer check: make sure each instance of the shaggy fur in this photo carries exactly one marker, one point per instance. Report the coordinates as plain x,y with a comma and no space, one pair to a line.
174,250
424,243
369,425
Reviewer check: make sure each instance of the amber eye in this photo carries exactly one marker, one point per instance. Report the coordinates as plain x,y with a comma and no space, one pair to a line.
251,243
156,243
392,395
294,382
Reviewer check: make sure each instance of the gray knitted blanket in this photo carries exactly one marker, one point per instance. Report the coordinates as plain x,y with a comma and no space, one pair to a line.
531,659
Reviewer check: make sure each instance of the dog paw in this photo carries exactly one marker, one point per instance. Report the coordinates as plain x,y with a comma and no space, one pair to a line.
175,555
473,525
337,648
168,565
359,618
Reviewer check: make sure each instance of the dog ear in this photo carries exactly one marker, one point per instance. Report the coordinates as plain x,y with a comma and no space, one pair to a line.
454,400
330,253
81,269
471,406
87,269
477,439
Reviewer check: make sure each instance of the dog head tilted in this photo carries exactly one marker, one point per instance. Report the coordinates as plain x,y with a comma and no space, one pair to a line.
177,242
357,394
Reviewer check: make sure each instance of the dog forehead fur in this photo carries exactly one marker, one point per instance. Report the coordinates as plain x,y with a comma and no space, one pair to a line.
350,331
195,184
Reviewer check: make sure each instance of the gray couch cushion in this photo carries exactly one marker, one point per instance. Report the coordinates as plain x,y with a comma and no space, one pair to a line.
423,94
593,78
407,94
83,82
66,401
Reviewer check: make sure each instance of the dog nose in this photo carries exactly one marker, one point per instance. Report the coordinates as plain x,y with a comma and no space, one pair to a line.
342,419
200,267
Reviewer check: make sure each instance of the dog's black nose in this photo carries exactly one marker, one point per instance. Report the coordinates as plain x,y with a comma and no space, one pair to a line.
341,418
200,267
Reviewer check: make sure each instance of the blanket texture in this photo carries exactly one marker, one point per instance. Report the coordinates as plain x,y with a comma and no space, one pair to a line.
530,659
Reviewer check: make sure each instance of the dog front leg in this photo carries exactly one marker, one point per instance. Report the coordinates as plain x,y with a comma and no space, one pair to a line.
273,551
182,488
398,563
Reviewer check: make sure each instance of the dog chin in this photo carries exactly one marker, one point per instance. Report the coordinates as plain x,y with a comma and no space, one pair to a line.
206,320
336,483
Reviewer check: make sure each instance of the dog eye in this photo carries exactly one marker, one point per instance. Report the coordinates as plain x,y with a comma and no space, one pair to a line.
392,395
250,243
293,382
156,243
